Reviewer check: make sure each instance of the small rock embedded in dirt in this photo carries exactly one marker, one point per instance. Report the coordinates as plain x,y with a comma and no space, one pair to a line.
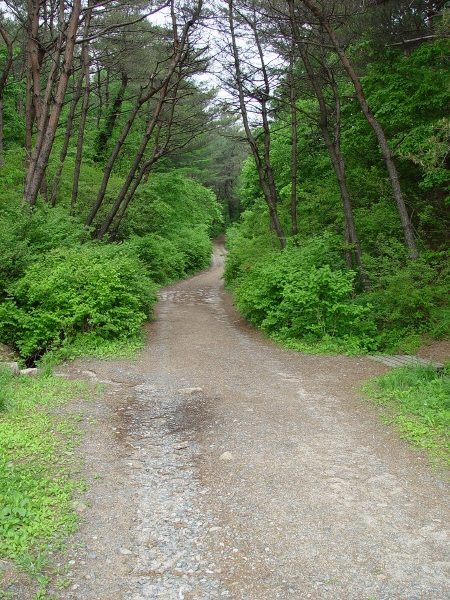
226,456
32,372
79,506
125,551
180,445
190,391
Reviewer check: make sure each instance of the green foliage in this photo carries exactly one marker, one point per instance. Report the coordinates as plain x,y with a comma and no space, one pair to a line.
174,215
296,294
36,466
167,202
164,261
94,291
418,404
195,246
411,298
27,234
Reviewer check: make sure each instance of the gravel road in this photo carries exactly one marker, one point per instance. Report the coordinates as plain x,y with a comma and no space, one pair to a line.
221,466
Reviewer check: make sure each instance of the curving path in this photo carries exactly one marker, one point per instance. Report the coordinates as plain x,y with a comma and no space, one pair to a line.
222,466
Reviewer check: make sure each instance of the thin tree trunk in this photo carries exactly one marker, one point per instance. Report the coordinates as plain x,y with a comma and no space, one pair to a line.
158,151
100,95
263,168
32,94
3,80
67,136
84,109
378,130
42,105
334,151
134,167
41,160
294,144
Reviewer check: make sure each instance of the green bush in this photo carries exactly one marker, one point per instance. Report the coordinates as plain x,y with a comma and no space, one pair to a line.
164,261
413,298
295,294
91,290
26,234
195,246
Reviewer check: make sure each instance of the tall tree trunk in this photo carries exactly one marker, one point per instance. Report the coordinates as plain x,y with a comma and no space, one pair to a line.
294,143
334,151
41,153
84,76
378,130
135,166
112,159
127,193
33,92
3,80
263,166
105,133
67,137
84,108
42,104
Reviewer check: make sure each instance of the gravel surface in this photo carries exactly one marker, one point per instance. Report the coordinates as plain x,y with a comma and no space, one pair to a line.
221,466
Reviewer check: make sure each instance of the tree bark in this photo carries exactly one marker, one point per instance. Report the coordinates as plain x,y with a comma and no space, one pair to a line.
42,151
84,108
3,80
263,165
378,130
294,143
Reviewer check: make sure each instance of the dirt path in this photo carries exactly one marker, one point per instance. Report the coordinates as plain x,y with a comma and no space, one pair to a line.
221,466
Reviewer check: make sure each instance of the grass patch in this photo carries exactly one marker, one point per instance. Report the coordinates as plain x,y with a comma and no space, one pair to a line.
417,400
350,346
93,346
38,469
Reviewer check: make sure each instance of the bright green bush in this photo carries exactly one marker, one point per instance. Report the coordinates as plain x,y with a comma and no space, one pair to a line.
412,298
91,290
195,246
164,261
26,234
296,294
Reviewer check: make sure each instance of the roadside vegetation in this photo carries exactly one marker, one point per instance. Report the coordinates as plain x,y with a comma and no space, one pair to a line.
416,401
39,471
344,242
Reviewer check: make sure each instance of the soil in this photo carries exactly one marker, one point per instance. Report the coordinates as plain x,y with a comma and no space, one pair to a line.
222,466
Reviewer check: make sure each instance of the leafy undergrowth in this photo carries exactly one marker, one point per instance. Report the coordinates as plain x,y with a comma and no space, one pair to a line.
39,473
417,401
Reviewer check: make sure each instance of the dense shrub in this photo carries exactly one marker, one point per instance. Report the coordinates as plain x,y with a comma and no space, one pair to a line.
91,290
26,234
412,299
297,294
195,246
164,261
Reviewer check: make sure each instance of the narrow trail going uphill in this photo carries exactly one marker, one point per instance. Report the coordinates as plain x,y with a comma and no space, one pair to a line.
222,466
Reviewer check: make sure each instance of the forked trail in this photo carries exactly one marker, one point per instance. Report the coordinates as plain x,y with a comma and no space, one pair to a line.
222,466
